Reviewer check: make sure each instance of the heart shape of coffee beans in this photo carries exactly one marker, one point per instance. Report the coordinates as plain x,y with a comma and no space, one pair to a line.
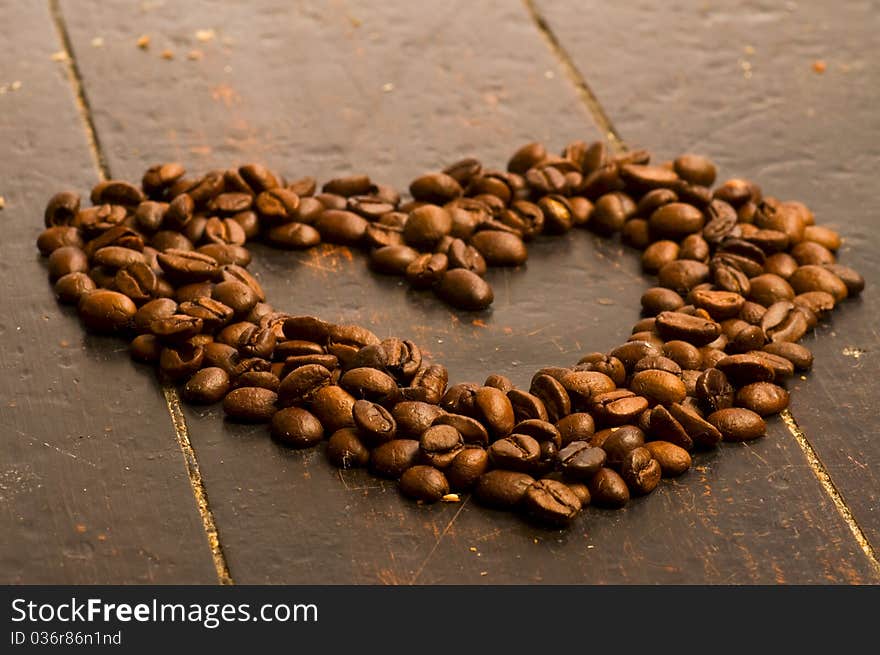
741,278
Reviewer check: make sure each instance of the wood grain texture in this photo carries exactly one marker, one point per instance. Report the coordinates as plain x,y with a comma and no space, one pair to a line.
394,90
744,86
92,489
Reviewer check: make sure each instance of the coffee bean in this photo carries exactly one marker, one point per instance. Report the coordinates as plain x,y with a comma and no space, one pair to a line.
207,386
672,459
818,278
438,188
71,288
518,452
250,404
440,444
693,329
502,489
553,395
608,489
659,386
426,270
414,417
738,424
376,424
695,169
663,425
551,502
333,406
852,279
471,430
640,471
296,427
393,259
698,429
575,427
659,254
345,449
763,398
683,275
424,483
676,220
580,460
465,290
467,467
500,248
426,225
392,458
797,354
106,311
713,390
617,407
611,212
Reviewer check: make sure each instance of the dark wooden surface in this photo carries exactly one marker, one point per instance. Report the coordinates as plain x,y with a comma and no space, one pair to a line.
740,85
396,90
92,485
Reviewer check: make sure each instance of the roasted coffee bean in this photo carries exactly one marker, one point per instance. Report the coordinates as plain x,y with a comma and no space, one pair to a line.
424,483
145,348
502,489
610,212
663,425
540,431
296,427
71,288
465,290
265,379
518,452
494,410
738,424
608,489
392,458
207,386
180,361
426,225
784,322
333,406
575,427
437,188
580,460
558,214
672,459
467,467
293,236
500,248
698,429
551,502
819,303
553,395
526,218
340,227
659,254
782,368
714,391
617,407
526,405
682,327
720,304
620,442
345,449
676,220
500,382
250,404
370,384
640,471
370,207
393,260
610,365
62,209
695,169
797,354
581,386
160,176
818,278
107,311
526,157
440,444
659,386
763,398
683,275
414,417
67,259
301,384
426,270
58,236
115,257
658,299
471,430
183,267
852,279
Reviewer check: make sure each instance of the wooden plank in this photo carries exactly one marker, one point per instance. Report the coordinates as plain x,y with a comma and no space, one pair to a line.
744,86
92,489
302,90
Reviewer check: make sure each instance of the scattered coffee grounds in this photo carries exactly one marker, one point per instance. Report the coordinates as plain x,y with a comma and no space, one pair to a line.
741,277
